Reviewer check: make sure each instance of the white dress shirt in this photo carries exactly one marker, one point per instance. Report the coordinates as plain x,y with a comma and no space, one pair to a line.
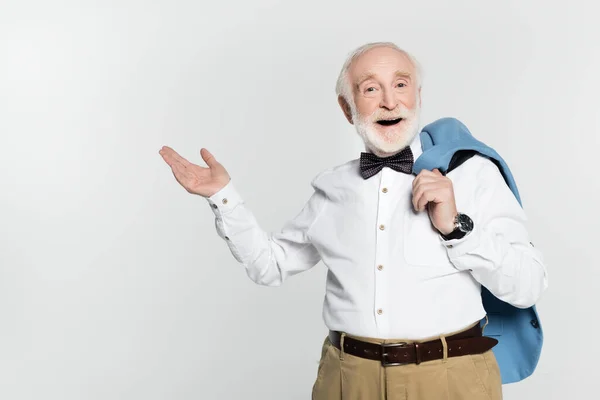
390,273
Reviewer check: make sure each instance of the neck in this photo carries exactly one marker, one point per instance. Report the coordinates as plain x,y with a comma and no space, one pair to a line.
383,154
380,153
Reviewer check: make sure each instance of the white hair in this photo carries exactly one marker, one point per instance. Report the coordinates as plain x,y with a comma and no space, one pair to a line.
344,87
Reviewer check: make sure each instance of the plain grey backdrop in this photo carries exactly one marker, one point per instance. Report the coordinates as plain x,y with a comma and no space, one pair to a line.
113,281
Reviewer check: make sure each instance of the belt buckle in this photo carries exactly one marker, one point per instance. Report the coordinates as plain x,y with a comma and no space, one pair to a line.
384,354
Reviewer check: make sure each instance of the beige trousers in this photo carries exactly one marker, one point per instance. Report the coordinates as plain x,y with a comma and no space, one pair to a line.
342,376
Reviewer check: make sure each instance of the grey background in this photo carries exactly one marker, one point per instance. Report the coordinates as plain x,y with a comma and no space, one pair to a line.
113,281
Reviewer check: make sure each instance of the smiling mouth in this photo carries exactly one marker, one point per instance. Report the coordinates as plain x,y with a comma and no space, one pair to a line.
389,122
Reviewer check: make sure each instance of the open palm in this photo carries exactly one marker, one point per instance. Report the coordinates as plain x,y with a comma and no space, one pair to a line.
204,181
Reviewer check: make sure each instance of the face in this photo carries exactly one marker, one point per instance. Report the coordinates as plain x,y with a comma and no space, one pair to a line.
386,105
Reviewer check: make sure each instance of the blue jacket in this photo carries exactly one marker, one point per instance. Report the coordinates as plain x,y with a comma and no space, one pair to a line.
446,143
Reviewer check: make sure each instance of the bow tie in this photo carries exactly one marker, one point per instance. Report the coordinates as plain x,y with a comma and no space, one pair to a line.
371,164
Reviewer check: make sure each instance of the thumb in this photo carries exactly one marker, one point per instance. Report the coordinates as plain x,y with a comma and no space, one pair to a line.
437,171
208,158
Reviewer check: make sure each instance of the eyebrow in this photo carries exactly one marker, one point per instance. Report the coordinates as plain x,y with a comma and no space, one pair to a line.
369,75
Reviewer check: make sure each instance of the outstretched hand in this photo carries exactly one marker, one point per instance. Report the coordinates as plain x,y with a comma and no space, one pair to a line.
204,181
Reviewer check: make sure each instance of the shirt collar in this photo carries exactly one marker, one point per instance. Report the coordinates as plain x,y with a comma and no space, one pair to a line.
415,146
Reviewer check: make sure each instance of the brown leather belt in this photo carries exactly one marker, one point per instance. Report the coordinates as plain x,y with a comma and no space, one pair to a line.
470,341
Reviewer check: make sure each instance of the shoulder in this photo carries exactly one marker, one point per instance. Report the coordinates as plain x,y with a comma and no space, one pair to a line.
336,173
480,168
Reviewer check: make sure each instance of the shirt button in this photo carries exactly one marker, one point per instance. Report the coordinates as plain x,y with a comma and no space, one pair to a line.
450,246
381,227
384,190
380,267
224,201
380,311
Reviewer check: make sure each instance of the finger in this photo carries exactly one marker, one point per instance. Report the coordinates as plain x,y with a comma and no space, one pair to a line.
425,199
432,196
171,157
421,179
166,151
182,161
180,172
208,158
426,172
167,154
417,193
421,191
418,198
437,172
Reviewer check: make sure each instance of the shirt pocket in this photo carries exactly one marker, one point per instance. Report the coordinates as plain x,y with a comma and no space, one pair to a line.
422,244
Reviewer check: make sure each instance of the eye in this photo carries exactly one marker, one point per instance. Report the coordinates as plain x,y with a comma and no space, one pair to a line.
401,84
370,89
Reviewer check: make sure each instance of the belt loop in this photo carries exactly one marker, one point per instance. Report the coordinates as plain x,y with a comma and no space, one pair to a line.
343,335
484,325
417,353
445,346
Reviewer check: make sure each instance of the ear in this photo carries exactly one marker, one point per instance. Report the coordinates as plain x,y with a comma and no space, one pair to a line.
345,108
419,97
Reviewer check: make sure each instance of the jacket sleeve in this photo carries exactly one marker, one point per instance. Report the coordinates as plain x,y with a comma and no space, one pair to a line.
498,252
268,257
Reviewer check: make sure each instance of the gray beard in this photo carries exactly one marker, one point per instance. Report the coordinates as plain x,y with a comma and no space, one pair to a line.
373,139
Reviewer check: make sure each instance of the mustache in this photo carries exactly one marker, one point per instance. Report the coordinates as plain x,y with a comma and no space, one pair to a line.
391,115
399,112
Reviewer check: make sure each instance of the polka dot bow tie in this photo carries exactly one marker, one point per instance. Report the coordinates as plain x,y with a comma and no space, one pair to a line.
371,164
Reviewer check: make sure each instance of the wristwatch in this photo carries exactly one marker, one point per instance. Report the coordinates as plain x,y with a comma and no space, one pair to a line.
463,225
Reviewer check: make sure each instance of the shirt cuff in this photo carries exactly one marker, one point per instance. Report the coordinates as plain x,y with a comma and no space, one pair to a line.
225,200
458,247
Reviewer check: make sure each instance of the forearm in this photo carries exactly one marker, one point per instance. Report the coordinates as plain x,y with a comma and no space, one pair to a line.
269,258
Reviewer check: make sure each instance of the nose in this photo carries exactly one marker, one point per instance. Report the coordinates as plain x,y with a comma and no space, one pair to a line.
388,100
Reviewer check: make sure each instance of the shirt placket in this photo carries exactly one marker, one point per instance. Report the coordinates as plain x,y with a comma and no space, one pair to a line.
382,310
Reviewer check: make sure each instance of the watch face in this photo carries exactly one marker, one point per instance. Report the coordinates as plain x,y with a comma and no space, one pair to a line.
465,223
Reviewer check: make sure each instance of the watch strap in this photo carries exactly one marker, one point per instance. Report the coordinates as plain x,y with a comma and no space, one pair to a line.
455,234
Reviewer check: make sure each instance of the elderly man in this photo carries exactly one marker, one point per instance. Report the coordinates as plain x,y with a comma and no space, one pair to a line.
407,255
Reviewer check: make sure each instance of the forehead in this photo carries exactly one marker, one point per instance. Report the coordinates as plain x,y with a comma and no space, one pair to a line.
380,62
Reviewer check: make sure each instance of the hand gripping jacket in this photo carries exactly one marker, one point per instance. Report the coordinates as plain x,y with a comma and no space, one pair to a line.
446,144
